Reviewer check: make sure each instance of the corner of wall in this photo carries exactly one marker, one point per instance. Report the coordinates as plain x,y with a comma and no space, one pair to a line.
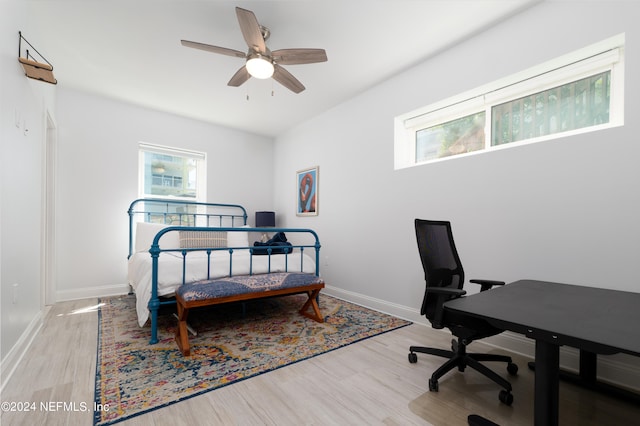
9,363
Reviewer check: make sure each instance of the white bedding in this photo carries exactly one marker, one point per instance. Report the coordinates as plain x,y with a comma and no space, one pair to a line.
170,271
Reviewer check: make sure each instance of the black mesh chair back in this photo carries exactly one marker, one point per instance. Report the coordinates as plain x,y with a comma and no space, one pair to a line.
440,261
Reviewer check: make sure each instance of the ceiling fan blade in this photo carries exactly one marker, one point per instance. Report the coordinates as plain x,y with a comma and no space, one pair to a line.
214,49
251,30
285,78
299,56
239,77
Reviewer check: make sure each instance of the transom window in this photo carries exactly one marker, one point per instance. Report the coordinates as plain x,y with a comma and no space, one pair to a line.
577,93
465,134
575,105
171,173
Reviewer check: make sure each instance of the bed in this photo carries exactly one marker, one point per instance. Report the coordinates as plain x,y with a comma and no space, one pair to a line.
174,242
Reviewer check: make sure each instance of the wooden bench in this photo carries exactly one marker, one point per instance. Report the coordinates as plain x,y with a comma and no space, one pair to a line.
245,287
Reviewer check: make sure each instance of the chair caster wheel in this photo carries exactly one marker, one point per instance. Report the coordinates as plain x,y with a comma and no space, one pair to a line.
505,397
413,358
512,368
433,385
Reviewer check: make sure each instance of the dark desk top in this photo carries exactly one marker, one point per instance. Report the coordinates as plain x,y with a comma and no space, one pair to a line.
597,320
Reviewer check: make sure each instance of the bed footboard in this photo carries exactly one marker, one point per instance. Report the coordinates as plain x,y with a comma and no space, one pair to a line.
303,255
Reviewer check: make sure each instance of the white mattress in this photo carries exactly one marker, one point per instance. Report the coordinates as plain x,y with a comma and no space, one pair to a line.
170,271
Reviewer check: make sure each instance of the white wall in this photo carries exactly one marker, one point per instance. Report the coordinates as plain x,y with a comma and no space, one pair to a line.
565,210
23,104
98,178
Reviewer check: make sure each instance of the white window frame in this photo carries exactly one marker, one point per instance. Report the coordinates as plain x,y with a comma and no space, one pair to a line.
201,170
607,55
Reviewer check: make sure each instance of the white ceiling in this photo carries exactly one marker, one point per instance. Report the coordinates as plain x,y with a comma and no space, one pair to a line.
130,50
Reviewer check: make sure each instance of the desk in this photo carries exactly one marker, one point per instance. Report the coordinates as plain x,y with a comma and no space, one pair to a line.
594,320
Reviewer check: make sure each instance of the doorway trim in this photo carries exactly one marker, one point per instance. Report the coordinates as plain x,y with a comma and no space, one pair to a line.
48,282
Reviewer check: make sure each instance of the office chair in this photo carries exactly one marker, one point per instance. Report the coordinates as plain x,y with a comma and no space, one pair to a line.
444,277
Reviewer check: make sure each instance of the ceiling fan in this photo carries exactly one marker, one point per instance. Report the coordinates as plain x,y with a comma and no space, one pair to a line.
260,61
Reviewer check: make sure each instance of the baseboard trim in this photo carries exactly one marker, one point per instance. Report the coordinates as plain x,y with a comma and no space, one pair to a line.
620,369
90,292
12,359
400,311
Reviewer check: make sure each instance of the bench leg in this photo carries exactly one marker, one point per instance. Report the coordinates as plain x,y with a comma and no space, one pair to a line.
313,303
191,329
182,333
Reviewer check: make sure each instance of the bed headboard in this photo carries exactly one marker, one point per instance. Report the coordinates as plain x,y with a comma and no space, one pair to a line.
184,213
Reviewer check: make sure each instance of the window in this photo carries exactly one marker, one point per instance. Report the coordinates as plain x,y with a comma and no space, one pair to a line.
577,93
169,172
465,134
575,105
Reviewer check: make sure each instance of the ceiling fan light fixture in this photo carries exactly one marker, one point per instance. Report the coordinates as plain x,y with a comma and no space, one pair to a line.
259,66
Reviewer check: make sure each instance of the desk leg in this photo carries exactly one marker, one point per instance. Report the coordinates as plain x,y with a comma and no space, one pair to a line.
588,366
587,378
547,384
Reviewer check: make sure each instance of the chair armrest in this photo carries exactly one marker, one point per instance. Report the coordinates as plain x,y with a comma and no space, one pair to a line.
487,284
456,292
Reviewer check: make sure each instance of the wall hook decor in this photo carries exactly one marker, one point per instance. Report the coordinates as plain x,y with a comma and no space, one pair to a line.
37,68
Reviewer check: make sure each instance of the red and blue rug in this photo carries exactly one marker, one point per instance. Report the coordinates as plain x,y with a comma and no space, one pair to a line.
133,377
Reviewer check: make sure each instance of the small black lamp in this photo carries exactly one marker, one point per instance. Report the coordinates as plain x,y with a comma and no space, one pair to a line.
265,220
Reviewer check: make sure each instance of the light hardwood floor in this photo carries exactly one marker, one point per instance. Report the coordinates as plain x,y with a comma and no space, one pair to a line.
367,383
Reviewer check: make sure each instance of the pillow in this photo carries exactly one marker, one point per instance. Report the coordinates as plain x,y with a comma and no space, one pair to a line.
146,232
238,238
203,239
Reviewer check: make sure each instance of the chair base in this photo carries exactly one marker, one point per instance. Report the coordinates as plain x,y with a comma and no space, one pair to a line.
476,420
458,357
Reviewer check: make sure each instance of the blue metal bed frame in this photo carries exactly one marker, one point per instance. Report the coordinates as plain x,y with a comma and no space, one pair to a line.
183,213
184,219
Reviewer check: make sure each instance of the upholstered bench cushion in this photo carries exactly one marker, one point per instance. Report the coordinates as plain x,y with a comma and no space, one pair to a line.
243,284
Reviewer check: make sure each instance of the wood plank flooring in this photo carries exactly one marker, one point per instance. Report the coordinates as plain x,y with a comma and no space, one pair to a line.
367,383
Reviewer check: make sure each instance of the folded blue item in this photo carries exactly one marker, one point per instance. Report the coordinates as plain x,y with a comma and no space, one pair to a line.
278,245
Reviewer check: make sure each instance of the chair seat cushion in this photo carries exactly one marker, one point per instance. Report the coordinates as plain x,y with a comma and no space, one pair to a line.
469,328
243,284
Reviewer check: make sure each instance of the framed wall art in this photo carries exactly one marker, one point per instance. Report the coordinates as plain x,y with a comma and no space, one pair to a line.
307,192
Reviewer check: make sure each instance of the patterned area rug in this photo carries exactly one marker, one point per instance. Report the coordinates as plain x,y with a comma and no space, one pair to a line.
133,377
